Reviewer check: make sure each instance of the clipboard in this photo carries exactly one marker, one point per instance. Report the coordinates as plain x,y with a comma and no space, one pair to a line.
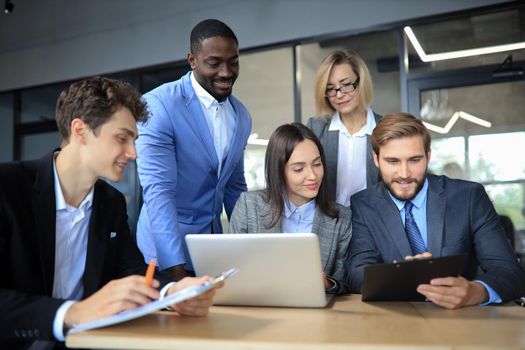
184,294
398,281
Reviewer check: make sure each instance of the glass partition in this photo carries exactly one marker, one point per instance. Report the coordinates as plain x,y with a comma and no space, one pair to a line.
478,135
265,86
6,131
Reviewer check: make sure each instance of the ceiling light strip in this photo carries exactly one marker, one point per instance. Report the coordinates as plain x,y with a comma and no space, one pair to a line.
454,119
460,53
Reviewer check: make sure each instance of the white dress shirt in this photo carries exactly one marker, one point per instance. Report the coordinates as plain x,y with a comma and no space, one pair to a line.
220,117
71,236
351,157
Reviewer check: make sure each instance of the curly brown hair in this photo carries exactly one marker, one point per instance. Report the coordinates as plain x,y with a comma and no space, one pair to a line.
95,100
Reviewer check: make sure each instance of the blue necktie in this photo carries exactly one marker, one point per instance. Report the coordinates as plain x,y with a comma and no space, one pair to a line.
414,236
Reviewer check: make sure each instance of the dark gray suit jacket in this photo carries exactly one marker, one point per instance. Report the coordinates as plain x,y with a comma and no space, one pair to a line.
252,215
460,220
330,142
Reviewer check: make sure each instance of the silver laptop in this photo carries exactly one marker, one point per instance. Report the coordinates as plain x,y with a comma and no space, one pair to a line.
275,269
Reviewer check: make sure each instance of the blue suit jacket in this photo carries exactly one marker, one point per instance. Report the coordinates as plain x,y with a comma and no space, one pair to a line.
460,220
177,166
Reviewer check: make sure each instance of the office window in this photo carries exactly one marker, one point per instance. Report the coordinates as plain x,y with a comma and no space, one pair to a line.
129,186
482,141
34,146
265,86
469,32
495,157
6,131
154,78
448,157
38,104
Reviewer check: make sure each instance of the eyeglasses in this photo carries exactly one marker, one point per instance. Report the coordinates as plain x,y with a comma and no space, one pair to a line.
344,89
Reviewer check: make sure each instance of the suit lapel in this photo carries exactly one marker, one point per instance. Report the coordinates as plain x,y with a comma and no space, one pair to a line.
436,205
331,146
197,121
372,173
265,216
392,222
98,240
324,227
44,208
234,148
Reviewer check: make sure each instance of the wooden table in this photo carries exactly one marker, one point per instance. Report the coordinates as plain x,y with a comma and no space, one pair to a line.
347,323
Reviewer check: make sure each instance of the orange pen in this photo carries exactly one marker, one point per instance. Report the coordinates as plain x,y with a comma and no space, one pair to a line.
150,272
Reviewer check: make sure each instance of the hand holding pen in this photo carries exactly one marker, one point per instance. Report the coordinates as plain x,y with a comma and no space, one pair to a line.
116,296
150,272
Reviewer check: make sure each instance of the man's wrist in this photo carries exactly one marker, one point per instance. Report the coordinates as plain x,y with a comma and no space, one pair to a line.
60,326
492,297
176,272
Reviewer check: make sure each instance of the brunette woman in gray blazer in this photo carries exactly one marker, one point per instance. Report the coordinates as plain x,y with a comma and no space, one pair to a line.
296,200
343,94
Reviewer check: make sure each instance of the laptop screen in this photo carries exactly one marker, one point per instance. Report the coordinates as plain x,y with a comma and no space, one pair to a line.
275,269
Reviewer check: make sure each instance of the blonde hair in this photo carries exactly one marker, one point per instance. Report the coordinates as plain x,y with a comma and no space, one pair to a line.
365,87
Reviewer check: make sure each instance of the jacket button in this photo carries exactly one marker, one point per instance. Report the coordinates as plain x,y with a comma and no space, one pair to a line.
30,333
17,334
23,333
36,332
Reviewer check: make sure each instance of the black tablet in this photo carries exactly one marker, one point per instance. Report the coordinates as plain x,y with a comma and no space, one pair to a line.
398,281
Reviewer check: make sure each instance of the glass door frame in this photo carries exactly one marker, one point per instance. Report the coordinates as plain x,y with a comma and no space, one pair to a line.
490,74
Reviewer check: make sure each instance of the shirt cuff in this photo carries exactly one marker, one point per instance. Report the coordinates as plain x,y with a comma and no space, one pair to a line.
164,290
335,288
494,297
58,323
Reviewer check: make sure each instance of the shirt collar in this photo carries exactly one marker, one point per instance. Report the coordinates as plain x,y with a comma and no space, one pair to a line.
418,200
305,210
204,96
337,124
370,122
60,201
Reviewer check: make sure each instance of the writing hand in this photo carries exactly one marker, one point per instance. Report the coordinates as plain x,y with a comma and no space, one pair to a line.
454,292
116,296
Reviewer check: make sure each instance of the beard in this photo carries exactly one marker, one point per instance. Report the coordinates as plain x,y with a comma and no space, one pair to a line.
406,196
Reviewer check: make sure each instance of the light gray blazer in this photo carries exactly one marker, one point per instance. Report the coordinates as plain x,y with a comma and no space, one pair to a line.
330,141
252,215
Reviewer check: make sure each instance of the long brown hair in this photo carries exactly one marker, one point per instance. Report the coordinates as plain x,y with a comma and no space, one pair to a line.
280,147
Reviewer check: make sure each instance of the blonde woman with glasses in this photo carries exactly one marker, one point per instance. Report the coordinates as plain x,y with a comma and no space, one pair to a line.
343,94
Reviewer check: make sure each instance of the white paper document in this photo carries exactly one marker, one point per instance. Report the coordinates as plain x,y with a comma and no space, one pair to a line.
185,294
